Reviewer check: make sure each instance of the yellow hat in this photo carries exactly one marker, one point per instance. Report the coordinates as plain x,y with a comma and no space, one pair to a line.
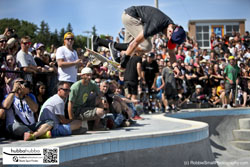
231,58
68,33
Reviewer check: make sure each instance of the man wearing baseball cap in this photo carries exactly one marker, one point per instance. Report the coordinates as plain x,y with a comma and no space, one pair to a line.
67,60
142,22
84,102
232,74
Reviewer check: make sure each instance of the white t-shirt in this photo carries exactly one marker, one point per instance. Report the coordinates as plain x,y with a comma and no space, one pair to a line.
22,110
51,108
68,74
24,60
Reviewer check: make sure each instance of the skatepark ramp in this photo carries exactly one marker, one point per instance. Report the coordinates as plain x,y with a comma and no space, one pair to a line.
228,134
242,135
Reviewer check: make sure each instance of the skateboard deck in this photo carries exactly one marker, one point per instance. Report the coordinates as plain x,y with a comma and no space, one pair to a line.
103,59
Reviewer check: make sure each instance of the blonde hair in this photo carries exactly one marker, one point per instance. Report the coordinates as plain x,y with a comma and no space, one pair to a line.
25,38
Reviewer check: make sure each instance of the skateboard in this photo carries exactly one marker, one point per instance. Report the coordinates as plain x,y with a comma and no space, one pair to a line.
114,66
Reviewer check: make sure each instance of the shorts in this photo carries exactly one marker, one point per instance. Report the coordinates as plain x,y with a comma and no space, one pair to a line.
228,88
170,92
88,114
61,130
133,27
132,87
17,129
87,111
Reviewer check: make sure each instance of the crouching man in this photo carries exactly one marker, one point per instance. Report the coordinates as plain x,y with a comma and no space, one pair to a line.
85,100
53,109
20,106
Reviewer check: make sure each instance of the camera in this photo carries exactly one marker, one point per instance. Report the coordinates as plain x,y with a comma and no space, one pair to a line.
26,84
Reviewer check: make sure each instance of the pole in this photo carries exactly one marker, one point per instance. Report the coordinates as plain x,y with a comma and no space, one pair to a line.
87,32
156,4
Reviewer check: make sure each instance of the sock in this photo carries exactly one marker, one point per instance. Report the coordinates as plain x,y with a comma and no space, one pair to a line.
46,135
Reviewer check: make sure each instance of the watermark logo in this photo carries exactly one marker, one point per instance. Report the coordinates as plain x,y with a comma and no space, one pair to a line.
30,155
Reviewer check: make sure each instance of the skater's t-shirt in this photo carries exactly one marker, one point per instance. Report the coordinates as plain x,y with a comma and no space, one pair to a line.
154,20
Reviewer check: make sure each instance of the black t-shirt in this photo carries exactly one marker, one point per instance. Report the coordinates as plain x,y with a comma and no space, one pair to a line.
150,70
39,62
130,73
154,20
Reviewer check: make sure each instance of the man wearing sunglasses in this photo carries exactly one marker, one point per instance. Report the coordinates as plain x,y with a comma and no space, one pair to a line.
25,60
67,60
20,106
53,109
142,22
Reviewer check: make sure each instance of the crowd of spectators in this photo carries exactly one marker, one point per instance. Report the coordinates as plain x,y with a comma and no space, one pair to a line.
215,77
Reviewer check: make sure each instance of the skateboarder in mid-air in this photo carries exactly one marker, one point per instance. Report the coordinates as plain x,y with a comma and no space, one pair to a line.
140,23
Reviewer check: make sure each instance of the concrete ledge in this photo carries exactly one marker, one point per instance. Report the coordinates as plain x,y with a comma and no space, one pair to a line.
174,156
156,131
195,131
242,134
244,123
245,145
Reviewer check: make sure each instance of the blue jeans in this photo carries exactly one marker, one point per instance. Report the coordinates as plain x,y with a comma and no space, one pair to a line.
61,130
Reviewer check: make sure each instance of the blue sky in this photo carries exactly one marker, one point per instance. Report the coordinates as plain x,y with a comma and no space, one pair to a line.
106,14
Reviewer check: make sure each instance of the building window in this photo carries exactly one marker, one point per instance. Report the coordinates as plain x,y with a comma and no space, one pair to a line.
231,28
202,36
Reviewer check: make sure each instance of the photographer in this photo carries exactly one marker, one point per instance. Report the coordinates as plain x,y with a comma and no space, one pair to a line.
10,33
20,106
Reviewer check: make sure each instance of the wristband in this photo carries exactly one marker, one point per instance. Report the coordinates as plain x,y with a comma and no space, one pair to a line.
12,92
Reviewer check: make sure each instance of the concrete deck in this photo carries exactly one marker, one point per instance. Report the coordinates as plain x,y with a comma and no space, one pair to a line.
158,140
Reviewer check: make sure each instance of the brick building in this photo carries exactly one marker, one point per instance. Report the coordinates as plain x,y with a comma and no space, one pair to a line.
201,30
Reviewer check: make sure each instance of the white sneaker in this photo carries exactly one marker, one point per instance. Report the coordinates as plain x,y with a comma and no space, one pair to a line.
229,106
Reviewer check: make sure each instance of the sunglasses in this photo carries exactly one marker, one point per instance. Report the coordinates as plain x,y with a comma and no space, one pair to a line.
21,82
2,41
69,39
66,90
26,43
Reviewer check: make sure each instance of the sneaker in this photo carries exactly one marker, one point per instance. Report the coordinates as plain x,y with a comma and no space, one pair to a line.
28,136
176,109
229,106
94,43
137,117
132,122
168,109
79,131
46,135
113,51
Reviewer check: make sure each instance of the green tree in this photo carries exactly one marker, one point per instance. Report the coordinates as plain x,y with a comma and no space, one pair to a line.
61,35
94,30
44,34
55,39
69,28
80,41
